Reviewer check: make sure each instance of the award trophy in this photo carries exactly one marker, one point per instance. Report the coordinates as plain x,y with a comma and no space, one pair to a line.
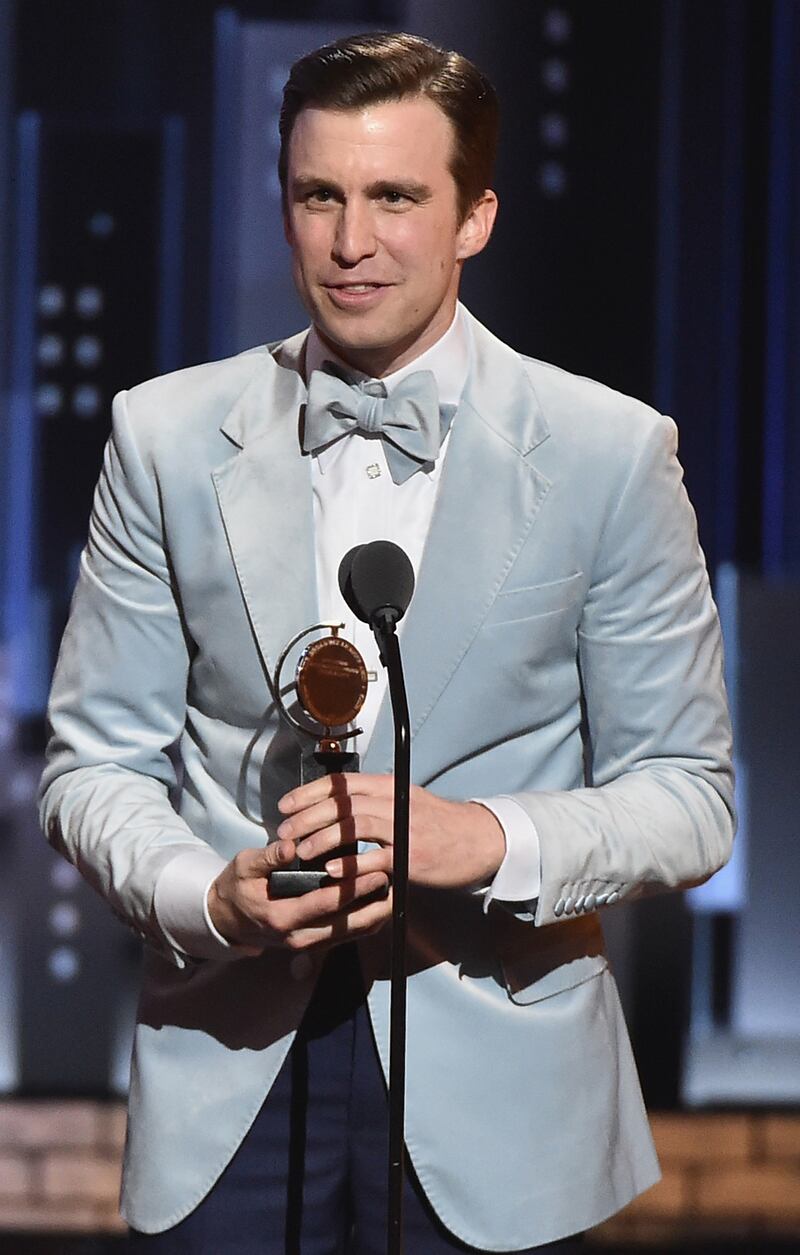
331,685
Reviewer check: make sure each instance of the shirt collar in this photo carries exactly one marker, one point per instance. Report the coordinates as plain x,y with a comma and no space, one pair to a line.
449,360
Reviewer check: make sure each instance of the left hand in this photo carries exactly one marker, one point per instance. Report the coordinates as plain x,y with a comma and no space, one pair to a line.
456,845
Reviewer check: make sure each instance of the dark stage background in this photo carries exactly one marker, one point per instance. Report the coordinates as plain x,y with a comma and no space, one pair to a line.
649,236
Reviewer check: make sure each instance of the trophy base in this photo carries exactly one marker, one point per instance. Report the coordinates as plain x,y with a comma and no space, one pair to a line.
289,883
292,884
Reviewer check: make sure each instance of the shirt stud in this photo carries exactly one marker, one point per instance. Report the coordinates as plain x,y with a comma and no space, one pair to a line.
373,470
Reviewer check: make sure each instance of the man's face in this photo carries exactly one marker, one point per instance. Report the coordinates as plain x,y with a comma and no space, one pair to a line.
372,221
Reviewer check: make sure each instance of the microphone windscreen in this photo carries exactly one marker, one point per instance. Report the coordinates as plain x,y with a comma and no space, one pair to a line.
381,577
345,585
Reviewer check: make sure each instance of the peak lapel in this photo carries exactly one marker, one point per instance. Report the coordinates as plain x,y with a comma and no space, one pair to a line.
264,494
488,499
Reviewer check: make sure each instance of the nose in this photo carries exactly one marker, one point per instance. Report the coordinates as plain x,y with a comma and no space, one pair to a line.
355,234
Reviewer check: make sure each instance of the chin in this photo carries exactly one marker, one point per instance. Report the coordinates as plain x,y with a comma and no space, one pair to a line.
354,338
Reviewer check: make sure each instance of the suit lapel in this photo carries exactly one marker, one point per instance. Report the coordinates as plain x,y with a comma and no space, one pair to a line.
488,499
264,493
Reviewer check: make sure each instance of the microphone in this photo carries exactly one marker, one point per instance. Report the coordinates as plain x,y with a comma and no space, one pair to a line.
377,582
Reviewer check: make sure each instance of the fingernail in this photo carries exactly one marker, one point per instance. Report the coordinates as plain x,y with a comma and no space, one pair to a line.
284,829
334,867
286,804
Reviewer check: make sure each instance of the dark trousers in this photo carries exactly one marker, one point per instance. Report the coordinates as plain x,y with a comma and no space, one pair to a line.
310,1176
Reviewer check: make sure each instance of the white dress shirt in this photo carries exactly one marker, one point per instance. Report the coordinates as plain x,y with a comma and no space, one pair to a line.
355,501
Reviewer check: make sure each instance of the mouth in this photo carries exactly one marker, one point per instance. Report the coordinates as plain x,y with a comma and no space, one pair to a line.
355,287
355,295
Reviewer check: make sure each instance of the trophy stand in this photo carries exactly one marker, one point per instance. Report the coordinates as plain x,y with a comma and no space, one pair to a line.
331,685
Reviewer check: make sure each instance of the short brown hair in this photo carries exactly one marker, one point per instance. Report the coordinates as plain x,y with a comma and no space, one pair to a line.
368,69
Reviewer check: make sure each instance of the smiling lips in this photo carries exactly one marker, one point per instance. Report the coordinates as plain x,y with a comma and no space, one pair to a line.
363,286
349,295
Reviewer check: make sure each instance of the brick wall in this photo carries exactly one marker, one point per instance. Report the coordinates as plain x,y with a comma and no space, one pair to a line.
724,1175
59,1166
728,1174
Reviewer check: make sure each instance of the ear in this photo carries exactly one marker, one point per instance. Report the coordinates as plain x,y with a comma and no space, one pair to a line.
476,229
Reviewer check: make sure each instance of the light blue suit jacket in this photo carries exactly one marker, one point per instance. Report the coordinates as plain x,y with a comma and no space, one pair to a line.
561,647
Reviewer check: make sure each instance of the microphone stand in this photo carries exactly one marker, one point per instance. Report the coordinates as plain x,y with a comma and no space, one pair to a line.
384,627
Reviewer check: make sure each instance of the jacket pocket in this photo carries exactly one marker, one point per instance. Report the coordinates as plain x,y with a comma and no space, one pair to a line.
536,600
538,963
574,972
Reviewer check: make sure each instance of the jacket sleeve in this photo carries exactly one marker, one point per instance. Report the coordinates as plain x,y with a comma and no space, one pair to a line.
118,701
657,812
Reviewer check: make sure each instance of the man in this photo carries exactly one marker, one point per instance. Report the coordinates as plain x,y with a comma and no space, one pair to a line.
571,744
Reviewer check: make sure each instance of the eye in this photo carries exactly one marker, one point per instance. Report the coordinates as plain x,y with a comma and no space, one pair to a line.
397,199
318,196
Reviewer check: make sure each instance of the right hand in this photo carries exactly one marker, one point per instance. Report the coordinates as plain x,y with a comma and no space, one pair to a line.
242,910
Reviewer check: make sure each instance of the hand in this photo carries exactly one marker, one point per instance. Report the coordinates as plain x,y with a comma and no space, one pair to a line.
456,845
242,910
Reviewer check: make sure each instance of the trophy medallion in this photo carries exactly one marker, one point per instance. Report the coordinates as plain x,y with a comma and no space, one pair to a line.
331,681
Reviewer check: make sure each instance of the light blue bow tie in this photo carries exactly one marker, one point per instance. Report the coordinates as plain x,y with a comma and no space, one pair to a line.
409,420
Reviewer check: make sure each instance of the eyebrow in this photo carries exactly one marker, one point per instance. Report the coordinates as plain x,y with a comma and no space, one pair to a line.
409,187
303,182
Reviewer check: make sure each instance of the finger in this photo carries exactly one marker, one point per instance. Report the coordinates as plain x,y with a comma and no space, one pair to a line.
355,922
319,906
276,854
368,828
337,785
351,865
282,917
256,864
343,811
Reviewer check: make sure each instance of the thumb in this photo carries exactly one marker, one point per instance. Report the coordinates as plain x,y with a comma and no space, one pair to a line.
278,854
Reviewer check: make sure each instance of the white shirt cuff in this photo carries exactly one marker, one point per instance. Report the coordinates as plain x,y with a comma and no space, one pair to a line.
519,876
181,905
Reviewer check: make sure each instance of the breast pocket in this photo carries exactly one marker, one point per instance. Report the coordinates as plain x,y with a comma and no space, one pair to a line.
535,601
